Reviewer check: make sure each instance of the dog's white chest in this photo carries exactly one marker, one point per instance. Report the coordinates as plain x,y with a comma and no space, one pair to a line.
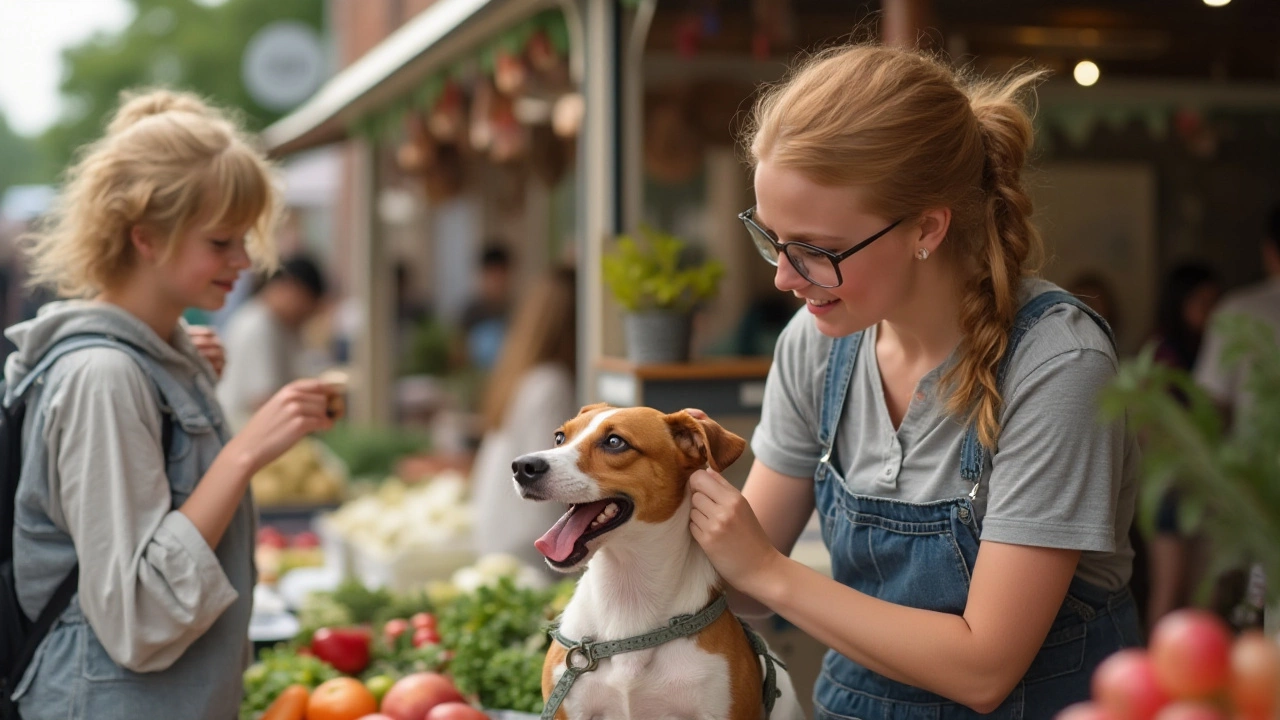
675,681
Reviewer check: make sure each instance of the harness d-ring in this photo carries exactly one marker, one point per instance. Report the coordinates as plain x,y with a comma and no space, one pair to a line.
583,648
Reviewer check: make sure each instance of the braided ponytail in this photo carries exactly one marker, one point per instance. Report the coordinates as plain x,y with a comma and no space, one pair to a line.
1008,245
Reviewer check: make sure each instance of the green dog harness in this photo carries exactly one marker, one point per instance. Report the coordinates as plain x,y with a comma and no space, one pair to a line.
585,655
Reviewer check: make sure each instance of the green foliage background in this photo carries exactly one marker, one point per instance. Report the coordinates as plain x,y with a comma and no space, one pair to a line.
175,43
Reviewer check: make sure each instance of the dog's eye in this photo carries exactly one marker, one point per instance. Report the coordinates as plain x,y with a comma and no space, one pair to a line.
613,442
559,438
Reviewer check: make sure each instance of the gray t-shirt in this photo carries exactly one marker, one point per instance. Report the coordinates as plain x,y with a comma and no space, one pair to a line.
1059,477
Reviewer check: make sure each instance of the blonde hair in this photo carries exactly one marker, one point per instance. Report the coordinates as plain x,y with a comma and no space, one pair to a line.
543,330
168,161
917,134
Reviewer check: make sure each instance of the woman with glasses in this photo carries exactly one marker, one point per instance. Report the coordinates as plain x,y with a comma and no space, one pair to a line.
935,402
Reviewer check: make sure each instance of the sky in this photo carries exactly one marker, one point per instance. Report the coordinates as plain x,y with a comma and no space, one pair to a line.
32,36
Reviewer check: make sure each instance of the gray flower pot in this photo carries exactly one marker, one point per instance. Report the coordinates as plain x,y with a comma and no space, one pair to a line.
658,336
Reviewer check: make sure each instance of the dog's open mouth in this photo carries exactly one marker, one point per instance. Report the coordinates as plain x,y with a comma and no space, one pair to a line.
565,544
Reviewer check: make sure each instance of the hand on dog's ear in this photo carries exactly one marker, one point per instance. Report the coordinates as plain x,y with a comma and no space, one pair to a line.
704,440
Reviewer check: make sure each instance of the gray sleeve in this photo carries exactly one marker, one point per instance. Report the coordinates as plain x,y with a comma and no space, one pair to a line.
149,583
786,439
1056,476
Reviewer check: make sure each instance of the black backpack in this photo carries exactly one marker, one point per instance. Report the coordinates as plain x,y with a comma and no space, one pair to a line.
19,637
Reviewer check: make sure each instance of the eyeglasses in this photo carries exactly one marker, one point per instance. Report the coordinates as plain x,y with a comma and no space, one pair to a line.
818,266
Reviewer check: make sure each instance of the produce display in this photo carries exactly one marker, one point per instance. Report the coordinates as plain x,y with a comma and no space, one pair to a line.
277,554
1192,669
306,474
441,653
397,517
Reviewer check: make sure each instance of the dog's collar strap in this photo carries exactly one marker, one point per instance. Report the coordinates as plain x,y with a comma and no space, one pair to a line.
585,655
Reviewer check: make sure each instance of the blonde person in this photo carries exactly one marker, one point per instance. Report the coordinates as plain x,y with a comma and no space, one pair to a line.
934,401
130,474
530,393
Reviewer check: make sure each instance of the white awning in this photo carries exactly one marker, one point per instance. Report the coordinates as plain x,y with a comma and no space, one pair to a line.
393,68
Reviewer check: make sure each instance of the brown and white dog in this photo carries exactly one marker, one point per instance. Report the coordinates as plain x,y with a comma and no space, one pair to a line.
625,475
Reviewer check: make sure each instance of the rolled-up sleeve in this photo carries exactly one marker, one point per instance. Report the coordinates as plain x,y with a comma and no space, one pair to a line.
149,583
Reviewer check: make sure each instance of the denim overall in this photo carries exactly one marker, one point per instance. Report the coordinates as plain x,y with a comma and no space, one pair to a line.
930,549
71,676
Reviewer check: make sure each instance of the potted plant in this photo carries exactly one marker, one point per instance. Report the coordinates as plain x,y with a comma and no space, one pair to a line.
659,284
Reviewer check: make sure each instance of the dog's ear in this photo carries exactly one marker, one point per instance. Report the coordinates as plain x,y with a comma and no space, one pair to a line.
703,440
592,408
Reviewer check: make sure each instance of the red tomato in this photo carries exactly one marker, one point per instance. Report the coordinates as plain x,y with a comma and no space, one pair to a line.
1255,675
347,649
1125,683
455,711
1190,711
423,620
1190,651
425,636
1086,711
393,629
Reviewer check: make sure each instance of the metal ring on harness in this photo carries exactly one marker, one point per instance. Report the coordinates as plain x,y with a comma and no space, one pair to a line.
583,648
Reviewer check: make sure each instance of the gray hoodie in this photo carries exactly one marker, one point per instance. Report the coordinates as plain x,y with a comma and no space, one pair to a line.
158,612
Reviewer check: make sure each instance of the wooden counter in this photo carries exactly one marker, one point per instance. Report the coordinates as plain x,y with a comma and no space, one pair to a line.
720,386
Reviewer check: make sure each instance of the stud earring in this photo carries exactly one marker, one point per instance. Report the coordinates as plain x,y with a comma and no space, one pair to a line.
922,254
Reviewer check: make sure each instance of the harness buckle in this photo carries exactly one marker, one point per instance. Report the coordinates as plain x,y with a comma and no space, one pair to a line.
585,649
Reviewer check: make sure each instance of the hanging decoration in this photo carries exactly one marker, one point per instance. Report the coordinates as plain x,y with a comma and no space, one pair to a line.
511,61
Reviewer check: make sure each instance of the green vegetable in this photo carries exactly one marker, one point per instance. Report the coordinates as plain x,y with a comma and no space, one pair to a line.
277,669
498,638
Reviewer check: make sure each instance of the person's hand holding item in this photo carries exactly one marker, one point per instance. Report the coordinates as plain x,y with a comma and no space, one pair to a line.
297,410
209,345
337,381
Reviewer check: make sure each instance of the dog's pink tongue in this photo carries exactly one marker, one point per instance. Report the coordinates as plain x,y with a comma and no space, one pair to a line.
557,544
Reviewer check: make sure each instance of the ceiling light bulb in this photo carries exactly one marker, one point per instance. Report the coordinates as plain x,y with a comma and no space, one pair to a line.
1216,3
1086,73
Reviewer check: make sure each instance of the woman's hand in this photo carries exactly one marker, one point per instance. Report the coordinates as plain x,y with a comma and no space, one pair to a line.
297,410
727,529
209,345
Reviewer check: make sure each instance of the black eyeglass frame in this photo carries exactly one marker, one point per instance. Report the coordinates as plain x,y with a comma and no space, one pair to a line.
748,219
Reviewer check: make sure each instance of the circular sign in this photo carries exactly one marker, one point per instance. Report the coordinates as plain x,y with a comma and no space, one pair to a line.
283,65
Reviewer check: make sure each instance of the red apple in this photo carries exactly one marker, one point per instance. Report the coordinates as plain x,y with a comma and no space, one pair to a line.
1190,652
1190,711
455,711
1255,675
1087,711
423,620
393,629
306,539
376,716
1125,683
271,537
413,696
425,636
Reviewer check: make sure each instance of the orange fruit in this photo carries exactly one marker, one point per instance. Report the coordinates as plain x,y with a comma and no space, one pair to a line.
341,698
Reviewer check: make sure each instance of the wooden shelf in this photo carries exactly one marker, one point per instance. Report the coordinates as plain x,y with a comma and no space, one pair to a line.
721,386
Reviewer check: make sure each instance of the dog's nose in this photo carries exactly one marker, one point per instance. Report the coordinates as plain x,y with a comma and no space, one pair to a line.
529,469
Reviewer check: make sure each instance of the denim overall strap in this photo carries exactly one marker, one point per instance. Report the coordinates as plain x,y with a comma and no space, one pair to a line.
835,387
973,455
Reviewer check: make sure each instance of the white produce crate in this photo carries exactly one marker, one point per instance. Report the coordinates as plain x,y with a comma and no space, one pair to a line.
408,568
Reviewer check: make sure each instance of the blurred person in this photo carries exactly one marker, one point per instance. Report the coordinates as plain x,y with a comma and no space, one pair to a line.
935,403
131,476
484,319
530,393
1227,384
1261,301
1187,297
264,338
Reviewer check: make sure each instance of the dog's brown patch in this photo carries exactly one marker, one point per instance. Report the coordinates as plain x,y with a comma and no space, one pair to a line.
662,451
725,637
555,656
